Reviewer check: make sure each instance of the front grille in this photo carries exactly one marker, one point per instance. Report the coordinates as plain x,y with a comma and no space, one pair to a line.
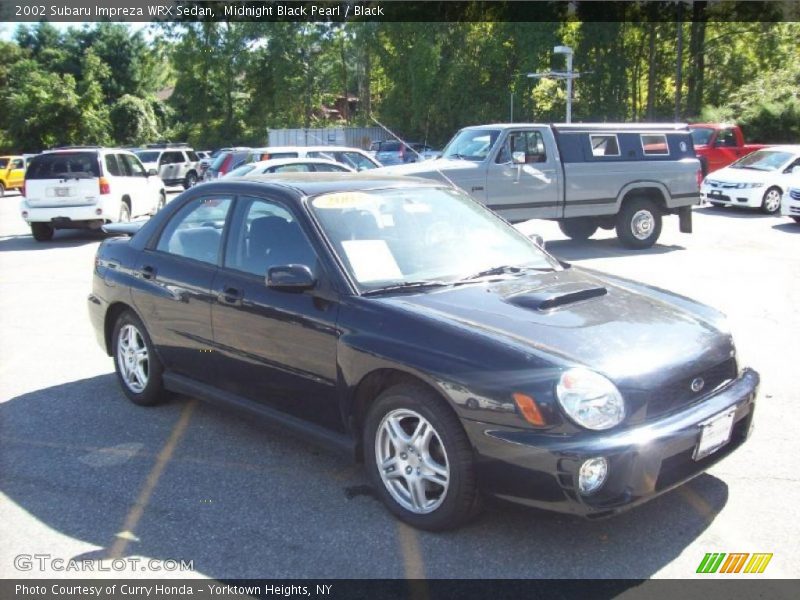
794,193
678,394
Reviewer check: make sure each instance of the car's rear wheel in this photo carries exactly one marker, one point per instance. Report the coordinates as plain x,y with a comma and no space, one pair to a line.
124,212
190,181
639,223
580,228
138,368
2,190
162,200
42,232
419,458
771,203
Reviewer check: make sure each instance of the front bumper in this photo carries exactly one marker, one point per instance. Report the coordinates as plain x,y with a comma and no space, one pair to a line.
541,470
749,197
790,207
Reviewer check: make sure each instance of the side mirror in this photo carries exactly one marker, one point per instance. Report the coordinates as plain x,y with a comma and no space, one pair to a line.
290,278
151,172
518,158
537,239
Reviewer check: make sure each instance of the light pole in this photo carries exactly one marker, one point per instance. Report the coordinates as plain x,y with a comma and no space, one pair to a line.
568,75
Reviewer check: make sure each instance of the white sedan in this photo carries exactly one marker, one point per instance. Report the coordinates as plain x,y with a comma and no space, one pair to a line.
790,205
289,165
757,180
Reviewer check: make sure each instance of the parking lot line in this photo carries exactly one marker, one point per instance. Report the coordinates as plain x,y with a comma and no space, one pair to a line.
135,514
412,555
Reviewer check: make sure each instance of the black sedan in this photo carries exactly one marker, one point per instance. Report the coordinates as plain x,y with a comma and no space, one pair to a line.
400,320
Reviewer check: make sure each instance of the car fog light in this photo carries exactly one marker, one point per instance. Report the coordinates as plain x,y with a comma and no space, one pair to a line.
98,211
592,475
24,214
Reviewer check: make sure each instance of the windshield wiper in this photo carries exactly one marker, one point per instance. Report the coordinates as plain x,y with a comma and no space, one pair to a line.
502,270
406,286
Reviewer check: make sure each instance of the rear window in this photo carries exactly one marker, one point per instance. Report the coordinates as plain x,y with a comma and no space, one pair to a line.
79,165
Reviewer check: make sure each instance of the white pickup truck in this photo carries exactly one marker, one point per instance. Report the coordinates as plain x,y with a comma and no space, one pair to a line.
585,176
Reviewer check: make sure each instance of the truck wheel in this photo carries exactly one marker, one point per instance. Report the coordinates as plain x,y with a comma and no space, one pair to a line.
771,203
639,223
581,228
42,232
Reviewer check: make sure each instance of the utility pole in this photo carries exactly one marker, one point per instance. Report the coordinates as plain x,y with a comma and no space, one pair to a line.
567,75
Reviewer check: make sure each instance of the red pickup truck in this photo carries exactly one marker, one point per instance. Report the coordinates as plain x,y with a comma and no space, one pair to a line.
717,145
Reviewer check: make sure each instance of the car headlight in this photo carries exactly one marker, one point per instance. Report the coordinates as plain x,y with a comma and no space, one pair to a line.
747,186
589,399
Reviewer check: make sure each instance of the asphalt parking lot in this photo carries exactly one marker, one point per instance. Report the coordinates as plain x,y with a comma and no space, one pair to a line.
86,474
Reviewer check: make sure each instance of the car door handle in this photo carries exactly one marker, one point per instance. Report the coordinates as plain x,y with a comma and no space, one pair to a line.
148,272
230,295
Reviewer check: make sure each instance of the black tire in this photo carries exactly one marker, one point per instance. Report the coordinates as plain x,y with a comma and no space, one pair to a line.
2,190
580,228
635,213
716,204
162,200
461,501
768,204
796,219
124,212
42,232
190,180
152,392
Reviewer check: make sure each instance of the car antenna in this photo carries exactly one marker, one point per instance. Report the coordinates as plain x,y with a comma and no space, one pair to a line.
398,138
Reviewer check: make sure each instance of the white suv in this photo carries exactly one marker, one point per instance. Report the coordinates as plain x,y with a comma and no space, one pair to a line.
84,188
177,164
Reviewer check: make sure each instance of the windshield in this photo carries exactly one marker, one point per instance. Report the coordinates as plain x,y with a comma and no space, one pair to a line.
471,144
394,236
701,135
147,157
243,170
763,160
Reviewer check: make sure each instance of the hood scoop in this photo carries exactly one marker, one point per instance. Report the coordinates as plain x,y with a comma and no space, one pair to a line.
557,295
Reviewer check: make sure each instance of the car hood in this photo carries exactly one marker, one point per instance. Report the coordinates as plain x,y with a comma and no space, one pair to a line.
577,318
730,175
431,168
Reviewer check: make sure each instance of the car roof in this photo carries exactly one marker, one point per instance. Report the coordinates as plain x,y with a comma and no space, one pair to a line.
307,149
313,184
73,149
274,162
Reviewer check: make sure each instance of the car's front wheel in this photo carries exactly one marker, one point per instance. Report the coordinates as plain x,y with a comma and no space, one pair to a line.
138,368
419,458
190,180
771,203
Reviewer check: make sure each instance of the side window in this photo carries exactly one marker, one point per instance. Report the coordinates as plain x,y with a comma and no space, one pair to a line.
264,235
726,138
654,144
604,144
112,165
297,168
192,156
17,163
195,231
529,142
357,161
132,166
329,168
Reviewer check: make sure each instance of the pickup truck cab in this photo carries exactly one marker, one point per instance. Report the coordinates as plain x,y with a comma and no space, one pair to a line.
585,176
717,145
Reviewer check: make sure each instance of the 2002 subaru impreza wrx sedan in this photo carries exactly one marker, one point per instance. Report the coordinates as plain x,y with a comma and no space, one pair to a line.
401,320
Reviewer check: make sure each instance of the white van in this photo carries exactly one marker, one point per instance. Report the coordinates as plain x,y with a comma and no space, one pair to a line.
86,187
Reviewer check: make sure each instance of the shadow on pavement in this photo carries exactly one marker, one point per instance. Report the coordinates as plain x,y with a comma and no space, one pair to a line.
734,212
64,238
602,248
790,227
241,499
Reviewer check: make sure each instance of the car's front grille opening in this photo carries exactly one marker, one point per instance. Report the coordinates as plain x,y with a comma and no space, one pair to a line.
679,394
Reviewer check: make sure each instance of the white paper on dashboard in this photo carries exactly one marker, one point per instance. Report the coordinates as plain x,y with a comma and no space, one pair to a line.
371,260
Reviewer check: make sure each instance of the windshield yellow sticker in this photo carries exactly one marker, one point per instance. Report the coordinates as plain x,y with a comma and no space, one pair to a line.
344,200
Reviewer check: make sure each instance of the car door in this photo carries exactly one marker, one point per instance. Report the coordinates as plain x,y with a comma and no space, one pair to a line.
174,276
136,185
275,347
16,172
527,190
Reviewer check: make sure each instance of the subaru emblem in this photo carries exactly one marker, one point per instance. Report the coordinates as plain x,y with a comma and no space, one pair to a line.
697,384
